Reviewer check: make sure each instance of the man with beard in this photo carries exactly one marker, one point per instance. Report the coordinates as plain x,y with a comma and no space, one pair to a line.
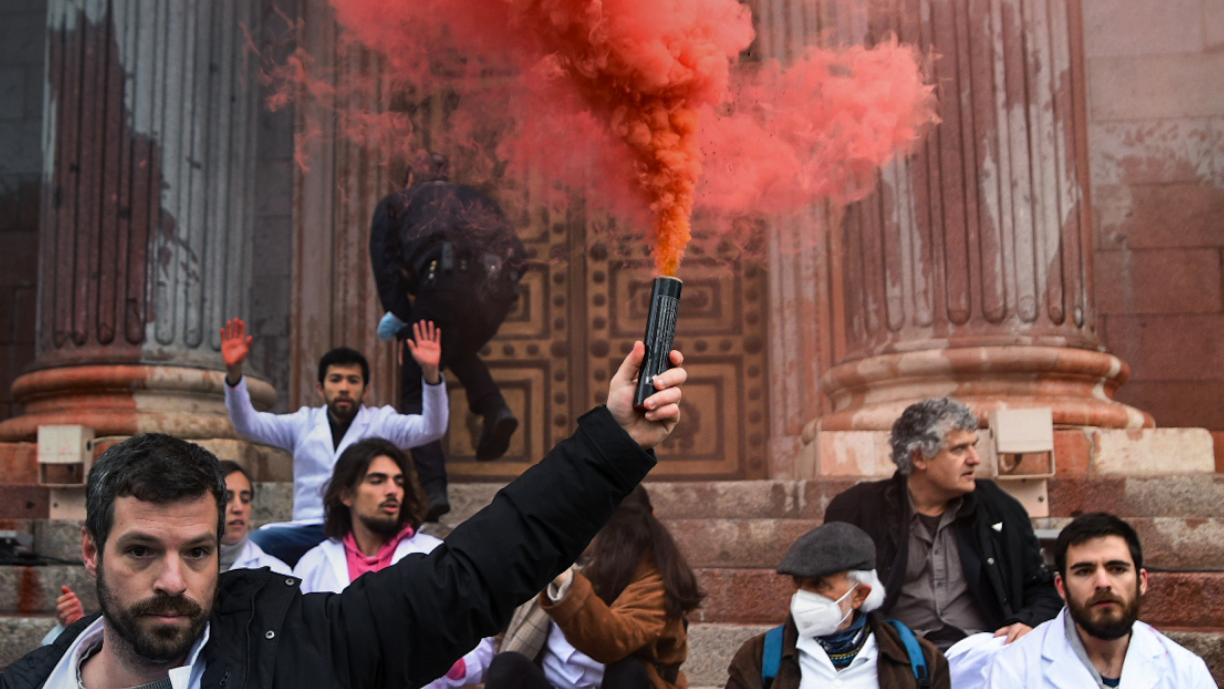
1097,640
318,435
153,524
373,509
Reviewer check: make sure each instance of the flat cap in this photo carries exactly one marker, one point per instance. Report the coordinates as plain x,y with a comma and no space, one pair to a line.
828,549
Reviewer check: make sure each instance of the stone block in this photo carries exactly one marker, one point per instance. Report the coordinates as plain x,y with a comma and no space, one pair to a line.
32,590
1159,281
854,453
1180,149
1213,25
1152,451
21,634
23,502
1152,86
266,463
736,542
1124,27
21,148
1207,644
273,502
58,538
1150,216
19,463
743,596
1186,495
1168,347
12,93
711,647
1170,543
1072,452
1184,599
1180,404
22,35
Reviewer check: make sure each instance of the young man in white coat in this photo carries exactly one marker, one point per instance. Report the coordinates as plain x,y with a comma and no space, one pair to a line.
1097,640
317,436
373,508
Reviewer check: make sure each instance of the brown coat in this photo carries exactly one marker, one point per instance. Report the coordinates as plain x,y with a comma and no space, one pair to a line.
892,665
636,624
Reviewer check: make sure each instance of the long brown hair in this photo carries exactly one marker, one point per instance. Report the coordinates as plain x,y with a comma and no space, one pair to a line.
351,468
633,533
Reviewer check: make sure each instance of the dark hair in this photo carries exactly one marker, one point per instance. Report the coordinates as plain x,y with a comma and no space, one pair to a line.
344,356
631,535
351,468
229,466
154,468
1095,525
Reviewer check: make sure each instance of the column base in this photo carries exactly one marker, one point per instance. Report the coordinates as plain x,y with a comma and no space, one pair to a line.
127,399
1077,384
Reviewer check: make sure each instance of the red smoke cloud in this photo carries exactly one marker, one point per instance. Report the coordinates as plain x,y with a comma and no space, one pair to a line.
643,91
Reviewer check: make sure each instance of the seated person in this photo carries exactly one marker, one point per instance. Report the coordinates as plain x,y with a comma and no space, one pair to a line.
833,635
237,551
1097,640
957,554
318,435
373,510
619,622
153,520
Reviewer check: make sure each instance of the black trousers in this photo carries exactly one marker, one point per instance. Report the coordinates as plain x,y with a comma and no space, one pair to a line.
468,322
517,671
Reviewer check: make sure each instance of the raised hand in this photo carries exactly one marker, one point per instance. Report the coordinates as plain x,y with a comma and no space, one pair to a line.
68,608
661,410
235,345
426,347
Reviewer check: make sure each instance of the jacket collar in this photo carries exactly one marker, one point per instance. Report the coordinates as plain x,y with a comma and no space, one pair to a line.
357,429
1064,669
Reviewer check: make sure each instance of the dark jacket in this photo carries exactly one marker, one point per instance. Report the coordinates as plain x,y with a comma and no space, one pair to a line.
892,665
1003,567
406,625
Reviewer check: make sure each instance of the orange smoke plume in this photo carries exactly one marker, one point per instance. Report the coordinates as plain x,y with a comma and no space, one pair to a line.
643,90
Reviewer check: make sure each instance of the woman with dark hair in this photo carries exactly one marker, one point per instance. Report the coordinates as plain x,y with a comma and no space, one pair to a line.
619,621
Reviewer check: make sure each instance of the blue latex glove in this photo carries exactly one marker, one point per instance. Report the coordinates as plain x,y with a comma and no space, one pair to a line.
390,327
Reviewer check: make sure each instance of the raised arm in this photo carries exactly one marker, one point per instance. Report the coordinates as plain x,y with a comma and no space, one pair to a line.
272,429
411,430
430,610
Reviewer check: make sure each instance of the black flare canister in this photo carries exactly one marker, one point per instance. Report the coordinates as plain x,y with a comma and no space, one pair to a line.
660,330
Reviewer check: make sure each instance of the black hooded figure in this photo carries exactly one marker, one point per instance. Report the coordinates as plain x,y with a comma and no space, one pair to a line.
445,252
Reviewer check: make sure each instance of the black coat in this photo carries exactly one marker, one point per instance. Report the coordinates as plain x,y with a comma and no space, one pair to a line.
406,625
1003,567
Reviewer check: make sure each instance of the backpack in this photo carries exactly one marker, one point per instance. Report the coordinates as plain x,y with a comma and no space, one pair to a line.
771,657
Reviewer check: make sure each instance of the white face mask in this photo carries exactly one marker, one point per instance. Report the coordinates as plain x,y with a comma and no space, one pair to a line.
816,615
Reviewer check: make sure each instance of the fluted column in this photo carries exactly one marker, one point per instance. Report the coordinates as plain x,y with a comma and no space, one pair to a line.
147,215
969,272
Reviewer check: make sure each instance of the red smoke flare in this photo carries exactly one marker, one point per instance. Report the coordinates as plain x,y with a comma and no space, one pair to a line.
640,90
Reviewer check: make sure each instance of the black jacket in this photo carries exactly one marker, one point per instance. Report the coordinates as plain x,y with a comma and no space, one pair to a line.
1003,567
406,625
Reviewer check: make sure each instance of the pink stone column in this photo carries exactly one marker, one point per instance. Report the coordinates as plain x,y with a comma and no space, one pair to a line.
969,273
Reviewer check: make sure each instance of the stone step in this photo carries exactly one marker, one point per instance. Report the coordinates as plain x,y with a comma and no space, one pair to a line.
711,645
33,590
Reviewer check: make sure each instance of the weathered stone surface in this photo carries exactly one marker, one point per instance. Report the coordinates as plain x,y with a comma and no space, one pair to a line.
1207,644
1160,281
1152,86
736,542
1153,451
1139,496
711,647
1192,543
23,502
21,634
28,590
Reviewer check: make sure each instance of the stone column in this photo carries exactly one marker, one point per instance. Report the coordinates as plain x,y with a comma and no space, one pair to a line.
147,214
969,272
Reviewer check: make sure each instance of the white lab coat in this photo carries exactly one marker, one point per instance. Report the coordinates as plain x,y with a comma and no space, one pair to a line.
307,434
253,557
325,568
1044,658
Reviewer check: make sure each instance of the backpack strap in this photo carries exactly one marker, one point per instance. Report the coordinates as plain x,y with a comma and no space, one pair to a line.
918,664
771,657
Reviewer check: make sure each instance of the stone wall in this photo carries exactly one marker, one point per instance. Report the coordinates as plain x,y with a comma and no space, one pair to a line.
1156,140
22,32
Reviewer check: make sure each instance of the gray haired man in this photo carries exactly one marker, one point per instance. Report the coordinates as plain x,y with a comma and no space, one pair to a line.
956,554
